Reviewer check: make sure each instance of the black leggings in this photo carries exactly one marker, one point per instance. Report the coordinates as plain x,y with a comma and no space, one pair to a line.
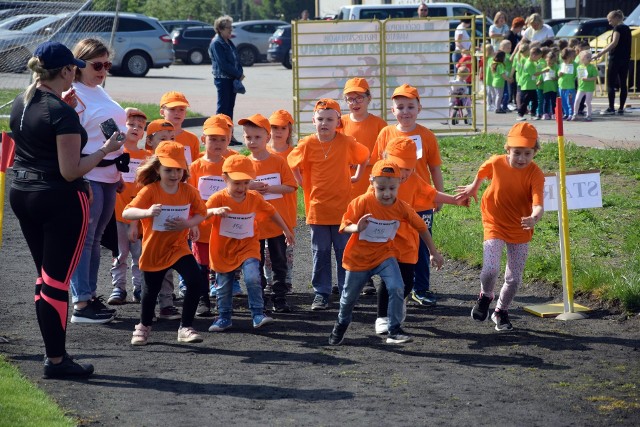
617,74
187,267
527,96
277,247
54,224
408,272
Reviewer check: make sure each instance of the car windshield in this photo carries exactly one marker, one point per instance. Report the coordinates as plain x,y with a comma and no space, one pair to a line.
44,23
569,29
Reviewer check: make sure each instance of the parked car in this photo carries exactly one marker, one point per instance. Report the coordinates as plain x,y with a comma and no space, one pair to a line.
558,23
584,29
280,46
252,39
191,44
18,22
184,23
140,42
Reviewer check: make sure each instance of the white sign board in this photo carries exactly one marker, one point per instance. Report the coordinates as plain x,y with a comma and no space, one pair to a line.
583,191
557,9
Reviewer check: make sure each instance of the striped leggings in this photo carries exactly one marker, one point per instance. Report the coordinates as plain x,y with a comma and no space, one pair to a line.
516,259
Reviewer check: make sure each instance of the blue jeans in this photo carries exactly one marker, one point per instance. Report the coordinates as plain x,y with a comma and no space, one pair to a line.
226,96
423,266
549,106
390,274
84,280
506,95
322,238
568,97
540,96
252,279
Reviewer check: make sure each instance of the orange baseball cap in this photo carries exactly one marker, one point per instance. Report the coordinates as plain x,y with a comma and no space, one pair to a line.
523,135
258,120
356,84
402,151
158,125
134,112
385,168
171,155
215,125
327,104
281,118
174,99
407,91
226,119
239,167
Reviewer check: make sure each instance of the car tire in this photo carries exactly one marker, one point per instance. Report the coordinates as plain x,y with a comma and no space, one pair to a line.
248,56
195,57
286,62
136,64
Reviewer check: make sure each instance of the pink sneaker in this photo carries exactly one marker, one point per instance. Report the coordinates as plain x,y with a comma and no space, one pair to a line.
140,334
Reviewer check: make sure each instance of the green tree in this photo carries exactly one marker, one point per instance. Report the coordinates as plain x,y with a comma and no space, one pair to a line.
203,10
282,9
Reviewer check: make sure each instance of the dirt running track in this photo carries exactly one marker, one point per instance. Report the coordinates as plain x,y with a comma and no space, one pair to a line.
455,372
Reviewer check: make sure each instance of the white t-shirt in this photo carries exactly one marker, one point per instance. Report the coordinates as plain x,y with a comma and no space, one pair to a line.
94,107
545,32
463,41
493,30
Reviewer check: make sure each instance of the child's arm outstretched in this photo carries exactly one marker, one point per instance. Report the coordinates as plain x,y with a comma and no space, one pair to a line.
528,222
450,199
436,259
471,190
134,214
264,188
221,211
287,233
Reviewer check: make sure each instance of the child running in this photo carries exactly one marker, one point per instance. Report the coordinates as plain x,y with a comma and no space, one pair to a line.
511,207
373,220
167,207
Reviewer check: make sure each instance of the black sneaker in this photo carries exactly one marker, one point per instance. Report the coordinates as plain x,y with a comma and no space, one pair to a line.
66,369
501,319
337,335
319,303
608,112
289,288
369,288
621,112
397,337
90,314
480,311
204,307
335,290
268,289
280,306
98,304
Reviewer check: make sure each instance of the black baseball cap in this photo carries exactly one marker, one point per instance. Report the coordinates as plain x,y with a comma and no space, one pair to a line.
56,55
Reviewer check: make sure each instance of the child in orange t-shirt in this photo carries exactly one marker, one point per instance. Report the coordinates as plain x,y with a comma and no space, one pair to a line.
136,121
206,175
167,207
406,107
511,207
373,220
322,160
234,241
173,107
275,181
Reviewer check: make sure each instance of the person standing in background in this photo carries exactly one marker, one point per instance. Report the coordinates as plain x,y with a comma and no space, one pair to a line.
423,10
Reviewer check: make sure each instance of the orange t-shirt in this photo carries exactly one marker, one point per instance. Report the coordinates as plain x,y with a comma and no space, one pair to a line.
272,169
190,141
228,253
161,249
206,176
509,197
326,175
426,145
365,132
130,188
282,154
363,255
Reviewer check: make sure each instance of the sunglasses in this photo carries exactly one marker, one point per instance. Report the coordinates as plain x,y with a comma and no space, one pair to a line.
98,66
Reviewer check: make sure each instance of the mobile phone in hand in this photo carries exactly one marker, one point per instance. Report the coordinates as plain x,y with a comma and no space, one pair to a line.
108,127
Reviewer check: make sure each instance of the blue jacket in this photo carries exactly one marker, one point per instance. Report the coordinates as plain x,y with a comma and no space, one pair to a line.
224,59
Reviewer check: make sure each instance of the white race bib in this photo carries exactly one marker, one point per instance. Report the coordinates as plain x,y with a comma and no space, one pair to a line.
207,185
170,212
237,226
583,73
270,179
380,230
418,140
187,154
566,68
133,167
549,75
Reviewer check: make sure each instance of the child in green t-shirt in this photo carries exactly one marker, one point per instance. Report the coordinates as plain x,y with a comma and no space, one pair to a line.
499,73
528,84
488,75
567,81
549,86
587,75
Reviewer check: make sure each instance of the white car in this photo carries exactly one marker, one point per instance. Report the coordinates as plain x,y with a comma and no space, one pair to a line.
251,38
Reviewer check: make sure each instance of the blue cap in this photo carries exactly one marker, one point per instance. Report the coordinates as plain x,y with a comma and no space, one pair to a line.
56,55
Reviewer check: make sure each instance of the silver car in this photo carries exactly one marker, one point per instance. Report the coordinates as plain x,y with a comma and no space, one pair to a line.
252,39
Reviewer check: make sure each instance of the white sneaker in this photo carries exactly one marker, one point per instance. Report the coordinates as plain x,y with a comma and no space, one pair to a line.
382,325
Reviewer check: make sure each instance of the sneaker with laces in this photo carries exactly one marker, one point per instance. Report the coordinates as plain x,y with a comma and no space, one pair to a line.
319,303
204,307
588,119
382,325
118,297
480,310
337,334
608,112
137,295
90,314
140,334
500,111
520,118
268,289
280,306
571,118
546,117
621,112
98,305
188,335
501,319
369,288
260,320
424,298
169,313
66,368
182,292
397,337
220,324
289,288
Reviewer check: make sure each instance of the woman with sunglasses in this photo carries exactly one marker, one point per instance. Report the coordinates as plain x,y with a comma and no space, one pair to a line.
94,106
48,194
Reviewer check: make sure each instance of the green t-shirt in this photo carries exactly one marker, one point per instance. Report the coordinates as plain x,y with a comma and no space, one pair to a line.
498,75
541,64
488,74
520,60
587,71
529,81
508,63
550,79
568,78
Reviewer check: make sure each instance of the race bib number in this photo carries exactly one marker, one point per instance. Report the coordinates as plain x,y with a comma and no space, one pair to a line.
270,179
207,185
187,155
170,212
549,75
380,230
583,73
237,226
418,140
133,167
567,68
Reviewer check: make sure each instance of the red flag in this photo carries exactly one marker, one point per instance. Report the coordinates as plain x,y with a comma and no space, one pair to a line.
8,152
